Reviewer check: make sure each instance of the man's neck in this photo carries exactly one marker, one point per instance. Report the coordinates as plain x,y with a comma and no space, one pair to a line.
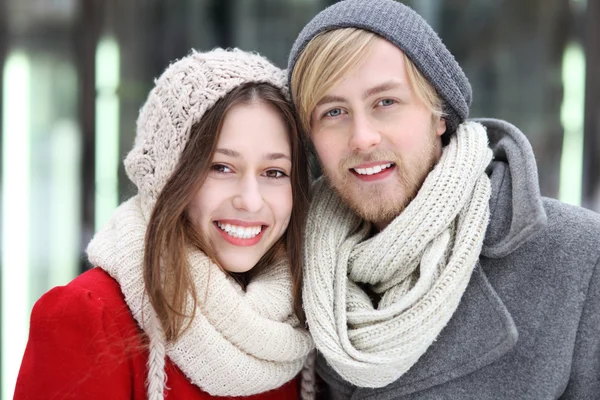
379,226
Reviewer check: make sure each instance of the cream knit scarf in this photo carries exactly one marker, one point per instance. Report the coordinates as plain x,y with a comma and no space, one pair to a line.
420,265
240,343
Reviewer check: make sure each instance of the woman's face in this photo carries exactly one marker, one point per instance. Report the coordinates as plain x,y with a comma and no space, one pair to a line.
244,206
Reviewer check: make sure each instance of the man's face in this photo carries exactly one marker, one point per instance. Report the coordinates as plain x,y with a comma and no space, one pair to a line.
375,139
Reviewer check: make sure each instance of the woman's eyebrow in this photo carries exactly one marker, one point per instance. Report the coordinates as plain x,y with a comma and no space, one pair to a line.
228,152
277,156
268,156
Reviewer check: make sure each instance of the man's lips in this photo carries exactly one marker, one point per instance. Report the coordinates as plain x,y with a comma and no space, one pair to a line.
372,164
373,171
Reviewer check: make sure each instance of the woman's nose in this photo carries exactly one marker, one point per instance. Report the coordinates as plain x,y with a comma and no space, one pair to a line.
248,196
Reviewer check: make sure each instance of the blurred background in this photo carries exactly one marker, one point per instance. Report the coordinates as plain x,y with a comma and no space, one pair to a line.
76,72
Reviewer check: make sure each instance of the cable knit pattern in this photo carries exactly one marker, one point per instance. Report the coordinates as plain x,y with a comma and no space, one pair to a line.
240,343
420,265
179,99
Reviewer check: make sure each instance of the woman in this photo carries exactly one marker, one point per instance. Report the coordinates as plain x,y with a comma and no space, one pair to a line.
193,294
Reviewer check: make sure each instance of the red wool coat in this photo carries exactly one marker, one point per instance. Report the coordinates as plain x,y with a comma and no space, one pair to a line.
85,344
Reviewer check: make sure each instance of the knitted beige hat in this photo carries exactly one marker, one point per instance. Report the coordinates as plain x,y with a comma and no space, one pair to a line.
179,99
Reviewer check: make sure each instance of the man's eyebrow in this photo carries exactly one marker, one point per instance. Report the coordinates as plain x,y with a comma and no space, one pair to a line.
383,87
228,152
330,99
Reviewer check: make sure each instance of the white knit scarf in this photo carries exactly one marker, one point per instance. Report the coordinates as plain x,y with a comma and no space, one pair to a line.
420,265
239,344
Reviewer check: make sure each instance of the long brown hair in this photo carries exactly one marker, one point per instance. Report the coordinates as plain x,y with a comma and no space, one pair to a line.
167,274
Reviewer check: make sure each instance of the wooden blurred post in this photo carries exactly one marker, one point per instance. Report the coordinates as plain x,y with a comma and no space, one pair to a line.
591,148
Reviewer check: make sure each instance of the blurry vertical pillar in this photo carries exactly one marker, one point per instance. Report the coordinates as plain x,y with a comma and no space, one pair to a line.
220,11
591,150
3,50
86,39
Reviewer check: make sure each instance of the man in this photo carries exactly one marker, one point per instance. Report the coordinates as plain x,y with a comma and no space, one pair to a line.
434,268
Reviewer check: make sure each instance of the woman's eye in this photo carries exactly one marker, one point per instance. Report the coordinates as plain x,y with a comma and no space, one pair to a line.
334,112
221,168
386,102
274,173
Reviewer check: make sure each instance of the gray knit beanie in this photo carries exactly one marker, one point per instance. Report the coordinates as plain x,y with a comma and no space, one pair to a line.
406,29
181,96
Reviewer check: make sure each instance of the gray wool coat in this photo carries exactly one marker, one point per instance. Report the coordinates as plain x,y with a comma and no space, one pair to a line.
528,325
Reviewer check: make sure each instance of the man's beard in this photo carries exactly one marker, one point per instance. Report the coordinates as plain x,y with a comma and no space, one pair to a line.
380,202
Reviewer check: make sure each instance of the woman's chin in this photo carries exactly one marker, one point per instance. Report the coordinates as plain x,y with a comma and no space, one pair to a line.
237,265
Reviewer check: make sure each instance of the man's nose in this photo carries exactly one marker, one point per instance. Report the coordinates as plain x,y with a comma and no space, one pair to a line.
248,196
364,137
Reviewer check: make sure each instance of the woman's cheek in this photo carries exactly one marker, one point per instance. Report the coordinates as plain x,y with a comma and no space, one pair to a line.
281,200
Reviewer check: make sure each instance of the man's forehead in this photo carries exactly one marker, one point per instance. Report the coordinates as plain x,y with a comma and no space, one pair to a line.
380,61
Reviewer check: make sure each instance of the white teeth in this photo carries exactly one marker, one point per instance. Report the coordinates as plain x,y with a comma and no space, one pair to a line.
240,231
372,170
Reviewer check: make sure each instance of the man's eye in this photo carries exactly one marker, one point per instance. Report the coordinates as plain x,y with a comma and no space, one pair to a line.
333,113
386,102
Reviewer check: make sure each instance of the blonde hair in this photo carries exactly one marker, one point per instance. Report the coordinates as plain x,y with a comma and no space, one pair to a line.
327,58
